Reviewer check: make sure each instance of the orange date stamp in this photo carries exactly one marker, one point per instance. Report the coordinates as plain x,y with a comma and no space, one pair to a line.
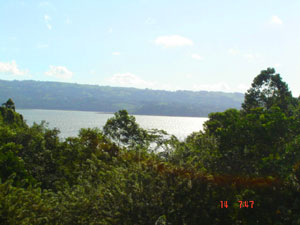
243,204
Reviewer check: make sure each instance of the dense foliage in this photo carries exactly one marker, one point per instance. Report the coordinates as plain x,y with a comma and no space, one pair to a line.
68,96
128,175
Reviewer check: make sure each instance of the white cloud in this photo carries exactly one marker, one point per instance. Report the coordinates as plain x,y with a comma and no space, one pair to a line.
233,51
11,68
47,19
173,41
276,20
129,80
197,56
116,53
60,72
110,30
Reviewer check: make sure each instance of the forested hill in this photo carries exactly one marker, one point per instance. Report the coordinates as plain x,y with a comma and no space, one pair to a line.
69,96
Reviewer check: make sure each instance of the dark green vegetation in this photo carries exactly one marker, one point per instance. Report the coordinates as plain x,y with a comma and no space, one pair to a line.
67,96
116,176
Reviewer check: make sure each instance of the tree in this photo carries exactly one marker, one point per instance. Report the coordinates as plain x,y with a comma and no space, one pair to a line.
11,164
123,129
269,90
9,116
9,104
248,144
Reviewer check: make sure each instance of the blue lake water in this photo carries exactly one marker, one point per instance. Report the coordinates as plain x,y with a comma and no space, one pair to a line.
70,122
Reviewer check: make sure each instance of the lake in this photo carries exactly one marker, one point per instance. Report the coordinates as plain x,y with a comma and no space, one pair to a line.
70,122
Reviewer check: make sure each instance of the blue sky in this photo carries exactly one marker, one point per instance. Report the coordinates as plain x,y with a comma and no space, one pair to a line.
157,44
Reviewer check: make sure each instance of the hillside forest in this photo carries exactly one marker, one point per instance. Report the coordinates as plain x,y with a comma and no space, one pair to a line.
30,94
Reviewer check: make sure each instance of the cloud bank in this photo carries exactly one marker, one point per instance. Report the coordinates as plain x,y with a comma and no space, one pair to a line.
59,72
11,68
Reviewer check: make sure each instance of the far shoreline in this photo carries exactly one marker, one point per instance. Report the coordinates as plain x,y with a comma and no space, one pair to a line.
100,112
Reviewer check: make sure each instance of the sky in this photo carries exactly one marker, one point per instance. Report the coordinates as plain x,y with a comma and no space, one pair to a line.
214,45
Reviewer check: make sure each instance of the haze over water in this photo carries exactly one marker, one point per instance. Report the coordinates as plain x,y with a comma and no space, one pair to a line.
70,122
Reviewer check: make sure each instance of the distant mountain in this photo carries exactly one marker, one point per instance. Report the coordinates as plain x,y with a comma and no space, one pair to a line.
30,94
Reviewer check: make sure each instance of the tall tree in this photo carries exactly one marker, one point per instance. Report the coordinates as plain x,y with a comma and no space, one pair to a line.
123,129
9,104
269,90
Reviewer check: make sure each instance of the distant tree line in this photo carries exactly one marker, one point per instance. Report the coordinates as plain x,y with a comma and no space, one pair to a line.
68,96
